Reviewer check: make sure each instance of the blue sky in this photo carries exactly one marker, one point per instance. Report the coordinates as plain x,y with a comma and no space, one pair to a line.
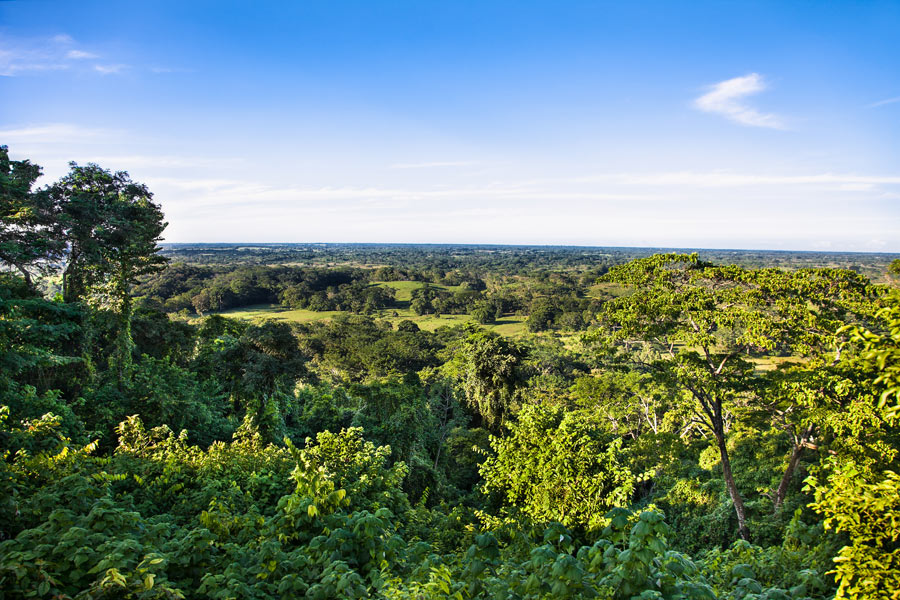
736,125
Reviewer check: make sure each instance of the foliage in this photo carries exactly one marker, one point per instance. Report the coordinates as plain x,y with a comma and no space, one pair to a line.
859,495
696,326
894,267
150,454
489,371
360,468
29,236
559,466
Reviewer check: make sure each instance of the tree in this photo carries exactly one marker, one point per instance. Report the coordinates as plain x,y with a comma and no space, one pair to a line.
258,365
489,368
483,314
858,491
632,403
36,338
698,326
543,314
894,268
560,466
29,236
112,228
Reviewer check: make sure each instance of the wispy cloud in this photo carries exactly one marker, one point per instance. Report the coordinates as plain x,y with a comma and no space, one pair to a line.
22,66
35,55
629,188
224,209
20,57
80,54
883,102
726,99
166,70
53,133
716,179
110,69
432,165
160,161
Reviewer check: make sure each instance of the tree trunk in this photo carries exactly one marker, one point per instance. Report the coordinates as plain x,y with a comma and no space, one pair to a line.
712,408
124,342
781,492
732,488
25,275
71,292
72,287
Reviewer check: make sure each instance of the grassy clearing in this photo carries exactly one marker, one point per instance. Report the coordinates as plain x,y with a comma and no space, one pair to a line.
260,312
405,288
508,326
770,363
607,290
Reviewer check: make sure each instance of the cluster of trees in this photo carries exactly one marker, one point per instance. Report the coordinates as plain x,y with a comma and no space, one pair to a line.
720,431
203,289
357,297
102,227
432,300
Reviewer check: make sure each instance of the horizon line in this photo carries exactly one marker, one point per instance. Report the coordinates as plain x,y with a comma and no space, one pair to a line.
526,245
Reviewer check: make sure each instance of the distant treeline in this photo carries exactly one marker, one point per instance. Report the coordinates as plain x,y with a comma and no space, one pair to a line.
510,260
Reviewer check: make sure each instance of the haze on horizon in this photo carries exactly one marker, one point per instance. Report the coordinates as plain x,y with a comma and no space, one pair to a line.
770,125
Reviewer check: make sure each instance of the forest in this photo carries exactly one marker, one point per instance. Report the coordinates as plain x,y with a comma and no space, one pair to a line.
665,424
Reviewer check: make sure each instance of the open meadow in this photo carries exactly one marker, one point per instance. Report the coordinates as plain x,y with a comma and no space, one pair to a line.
509,325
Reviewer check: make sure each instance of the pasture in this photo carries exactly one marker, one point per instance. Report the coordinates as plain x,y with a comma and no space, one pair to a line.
507,326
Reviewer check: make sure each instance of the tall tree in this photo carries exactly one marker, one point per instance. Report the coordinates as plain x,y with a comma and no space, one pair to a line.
490,372
112,228
700,327
29,236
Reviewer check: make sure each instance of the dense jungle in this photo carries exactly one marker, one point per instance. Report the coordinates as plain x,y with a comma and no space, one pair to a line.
257,421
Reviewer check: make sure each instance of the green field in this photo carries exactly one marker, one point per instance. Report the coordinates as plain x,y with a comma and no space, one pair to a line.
405,288
606,290
259,312
509,325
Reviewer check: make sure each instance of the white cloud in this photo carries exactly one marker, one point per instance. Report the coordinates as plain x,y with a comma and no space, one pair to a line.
110,69
11,70
726,98
53,134
857,187
80,54
430,165
883,102
652,189
166,70
162,161
218,199
676,209
724,179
